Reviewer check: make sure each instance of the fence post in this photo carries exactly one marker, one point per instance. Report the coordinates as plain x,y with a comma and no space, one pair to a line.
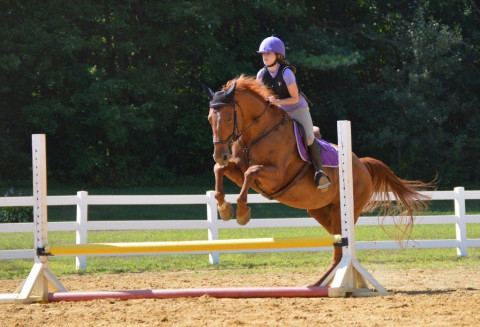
212,217
461,224
81,232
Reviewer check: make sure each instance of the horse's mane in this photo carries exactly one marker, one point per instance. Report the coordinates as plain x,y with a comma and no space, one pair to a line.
249,83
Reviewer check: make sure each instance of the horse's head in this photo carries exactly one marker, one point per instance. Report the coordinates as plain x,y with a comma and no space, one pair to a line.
230,122
223,119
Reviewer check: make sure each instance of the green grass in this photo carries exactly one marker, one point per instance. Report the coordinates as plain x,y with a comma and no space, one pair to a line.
243,263
237,263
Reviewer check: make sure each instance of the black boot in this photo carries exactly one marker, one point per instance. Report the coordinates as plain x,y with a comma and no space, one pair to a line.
321,179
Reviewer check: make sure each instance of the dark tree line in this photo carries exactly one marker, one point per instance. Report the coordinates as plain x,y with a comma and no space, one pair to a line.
115,85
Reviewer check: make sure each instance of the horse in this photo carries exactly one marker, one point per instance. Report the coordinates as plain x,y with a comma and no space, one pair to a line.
255,147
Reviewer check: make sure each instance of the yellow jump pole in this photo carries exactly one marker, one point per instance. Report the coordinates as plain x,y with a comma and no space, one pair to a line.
193,246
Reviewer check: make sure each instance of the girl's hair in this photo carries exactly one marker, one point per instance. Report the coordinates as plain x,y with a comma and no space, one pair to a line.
281,60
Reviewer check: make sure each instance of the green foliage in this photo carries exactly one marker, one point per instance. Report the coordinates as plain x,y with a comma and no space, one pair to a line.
429,119
116,85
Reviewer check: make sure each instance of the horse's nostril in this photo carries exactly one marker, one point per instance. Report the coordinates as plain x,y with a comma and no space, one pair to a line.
225,157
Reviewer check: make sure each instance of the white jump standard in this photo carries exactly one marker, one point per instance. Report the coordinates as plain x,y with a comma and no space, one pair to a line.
348,279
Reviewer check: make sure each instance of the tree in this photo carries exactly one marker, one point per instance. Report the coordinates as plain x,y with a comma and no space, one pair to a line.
116,85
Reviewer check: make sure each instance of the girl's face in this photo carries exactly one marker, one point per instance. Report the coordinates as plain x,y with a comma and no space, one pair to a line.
269,58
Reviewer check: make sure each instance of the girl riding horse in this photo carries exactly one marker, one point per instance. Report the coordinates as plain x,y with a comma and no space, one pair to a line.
279,76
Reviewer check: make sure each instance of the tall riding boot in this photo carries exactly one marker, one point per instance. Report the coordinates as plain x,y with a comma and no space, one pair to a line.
321,178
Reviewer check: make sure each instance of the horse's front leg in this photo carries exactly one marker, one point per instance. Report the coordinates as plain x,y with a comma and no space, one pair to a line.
252,173
225,208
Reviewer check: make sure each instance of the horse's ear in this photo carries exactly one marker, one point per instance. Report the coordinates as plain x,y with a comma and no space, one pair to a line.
231,89
208,91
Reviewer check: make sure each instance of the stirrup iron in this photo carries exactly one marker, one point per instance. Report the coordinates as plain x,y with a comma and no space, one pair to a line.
321,179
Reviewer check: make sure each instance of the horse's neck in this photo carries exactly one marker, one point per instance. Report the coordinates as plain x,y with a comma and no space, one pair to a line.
257,119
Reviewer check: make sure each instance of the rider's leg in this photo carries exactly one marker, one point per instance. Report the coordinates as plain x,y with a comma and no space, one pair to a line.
321,178
302,115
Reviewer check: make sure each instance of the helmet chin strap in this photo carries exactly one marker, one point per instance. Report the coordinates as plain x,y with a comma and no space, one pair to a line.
274,63
276,60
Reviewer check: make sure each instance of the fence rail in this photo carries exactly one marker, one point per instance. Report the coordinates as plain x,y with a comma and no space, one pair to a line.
212,224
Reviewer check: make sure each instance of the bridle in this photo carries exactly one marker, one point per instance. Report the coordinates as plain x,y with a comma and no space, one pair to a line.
235,135
217,103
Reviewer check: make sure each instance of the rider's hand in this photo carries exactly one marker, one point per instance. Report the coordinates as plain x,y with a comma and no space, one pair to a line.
272,99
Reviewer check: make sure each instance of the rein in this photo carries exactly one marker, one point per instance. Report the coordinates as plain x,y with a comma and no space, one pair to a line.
246,149
235,136
293,181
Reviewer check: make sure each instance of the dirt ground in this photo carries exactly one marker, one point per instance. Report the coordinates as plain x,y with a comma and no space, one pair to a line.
417,298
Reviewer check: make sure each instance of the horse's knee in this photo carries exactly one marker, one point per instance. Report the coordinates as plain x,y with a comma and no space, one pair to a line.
252,172
217,169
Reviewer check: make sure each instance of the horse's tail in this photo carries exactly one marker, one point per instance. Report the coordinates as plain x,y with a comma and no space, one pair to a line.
395,197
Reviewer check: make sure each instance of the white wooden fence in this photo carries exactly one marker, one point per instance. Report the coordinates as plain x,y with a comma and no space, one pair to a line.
212,224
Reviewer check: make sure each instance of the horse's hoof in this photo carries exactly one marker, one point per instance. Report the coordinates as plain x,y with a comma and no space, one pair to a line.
225,211
244,219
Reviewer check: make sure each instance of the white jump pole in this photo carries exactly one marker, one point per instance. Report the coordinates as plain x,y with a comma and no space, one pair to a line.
349,278
35,287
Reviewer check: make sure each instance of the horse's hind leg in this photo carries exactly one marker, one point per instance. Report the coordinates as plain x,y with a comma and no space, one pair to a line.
329,218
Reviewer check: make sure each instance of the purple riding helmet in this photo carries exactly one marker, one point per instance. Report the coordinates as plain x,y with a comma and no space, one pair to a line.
272,44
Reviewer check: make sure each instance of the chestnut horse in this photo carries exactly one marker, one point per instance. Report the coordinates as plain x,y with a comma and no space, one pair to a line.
254,146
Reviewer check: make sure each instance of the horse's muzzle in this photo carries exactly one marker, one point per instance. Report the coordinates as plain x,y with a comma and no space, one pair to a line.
222,155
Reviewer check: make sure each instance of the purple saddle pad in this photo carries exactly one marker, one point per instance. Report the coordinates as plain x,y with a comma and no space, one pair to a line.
329,153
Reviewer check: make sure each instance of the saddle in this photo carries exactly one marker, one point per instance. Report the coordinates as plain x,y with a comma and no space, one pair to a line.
329,153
